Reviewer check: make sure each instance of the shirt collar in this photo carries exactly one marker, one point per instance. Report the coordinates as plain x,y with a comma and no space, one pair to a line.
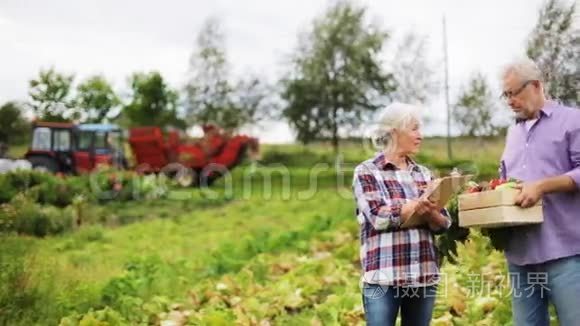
547,110
383,163
549,107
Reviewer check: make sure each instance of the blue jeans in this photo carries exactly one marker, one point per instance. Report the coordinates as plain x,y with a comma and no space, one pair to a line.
535,286
382,303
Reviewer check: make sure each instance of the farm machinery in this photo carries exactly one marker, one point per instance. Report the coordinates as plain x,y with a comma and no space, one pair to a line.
199,163
81,148
73,149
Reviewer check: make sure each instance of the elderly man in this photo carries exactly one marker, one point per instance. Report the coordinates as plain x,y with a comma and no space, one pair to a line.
543,150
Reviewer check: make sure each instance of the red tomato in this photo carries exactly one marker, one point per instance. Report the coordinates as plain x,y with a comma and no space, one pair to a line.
495,182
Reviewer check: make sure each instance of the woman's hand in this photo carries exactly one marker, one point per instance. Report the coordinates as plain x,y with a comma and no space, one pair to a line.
425,206
435,219
421,207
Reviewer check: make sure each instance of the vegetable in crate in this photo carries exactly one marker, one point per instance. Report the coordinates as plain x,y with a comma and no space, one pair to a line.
498,236
473,186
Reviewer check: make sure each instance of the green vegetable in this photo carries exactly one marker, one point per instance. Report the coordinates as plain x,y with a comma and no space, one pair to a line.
510,184
472,184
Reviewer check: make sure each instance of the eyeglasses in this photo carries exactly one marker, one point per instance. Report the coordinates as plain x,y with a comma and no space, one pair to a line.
509,94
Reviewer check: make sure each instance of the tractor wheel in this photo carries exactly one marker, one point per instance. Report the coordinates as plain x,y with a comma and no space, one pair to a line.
185,177
207,181
242,155
210,174
42,163
182,175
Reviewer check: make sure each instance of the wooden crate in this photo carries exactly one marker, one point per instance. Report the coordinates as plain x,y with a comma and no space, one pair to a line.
496,208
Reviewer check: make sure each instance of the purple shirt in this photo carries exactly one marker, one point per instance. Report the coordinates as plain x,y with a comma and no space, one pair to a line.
551,148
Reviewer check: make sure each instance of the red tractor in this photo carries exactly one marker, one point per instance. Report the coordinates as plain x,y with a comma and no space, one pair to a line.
74,149
198,163
69,148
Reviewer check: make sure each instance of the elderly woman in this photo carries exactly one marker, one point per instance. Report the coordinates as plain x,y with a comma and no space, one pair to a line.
399,264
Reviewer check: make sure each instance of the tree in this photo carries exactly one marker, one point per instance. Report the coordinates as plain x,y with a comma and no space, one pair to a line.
475,108
153,102
212,96
95,99
414,75
337,78
555,46
14,128
303,111
50,96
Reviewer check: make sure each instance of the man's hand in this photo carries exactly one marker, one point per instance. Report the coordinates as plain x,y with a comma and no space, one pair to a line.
530,194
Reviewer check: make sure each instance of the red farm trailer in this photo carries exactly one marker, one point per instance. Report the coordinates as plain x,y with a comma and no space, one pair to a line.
199,163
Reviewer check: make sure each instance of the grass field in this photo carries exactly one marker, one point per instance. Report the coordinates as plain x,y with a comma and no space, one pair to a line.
17,151
272,244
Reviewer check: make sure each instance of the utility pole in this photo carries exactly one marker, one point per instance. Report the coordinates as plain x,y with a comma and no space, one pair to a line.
446,61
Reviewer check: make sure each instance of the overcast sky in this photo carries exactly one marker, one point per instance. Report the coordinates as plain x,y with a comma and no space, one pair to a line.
116,38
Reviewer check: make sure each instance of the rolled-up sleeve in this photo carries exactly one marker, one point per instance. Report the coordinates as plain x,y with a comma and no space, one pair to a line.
574,151
376,207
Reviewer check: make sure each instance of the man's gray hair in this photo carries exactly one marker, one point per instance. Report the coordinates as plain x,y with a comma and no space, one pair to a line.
395,116
525,68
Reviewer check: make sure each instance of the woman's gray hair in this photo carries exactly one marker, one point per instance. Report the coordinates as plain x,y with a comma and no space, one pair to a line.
395,116
525,68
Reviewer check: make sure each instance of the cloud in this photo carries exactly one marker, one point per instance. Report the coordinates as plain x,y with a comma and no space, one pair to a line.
116,38
4,22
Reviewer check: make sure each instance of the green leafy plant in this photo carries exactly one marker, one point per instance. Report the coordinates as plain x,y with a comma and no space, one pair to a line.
102,317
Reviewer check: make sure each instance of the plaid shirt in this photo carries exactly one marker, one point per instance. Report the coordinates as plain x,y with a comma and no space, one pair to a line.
391,255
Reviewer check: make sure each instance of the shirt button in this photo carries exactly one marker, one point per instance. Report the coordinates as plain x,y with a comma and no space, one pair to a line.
526,144
524,166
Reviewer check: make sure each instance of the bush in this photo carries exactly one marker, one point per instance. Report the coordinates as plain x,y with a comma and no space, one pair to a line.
53,192
108,185
100,186
28,217
39,204
481,170
6,219
43,187
58,204
23,216
304,157
17,295
14,182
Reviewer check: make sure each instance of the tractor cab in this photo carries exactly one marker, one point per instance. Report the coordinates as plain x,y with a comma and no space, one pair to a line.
99,144
70,148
